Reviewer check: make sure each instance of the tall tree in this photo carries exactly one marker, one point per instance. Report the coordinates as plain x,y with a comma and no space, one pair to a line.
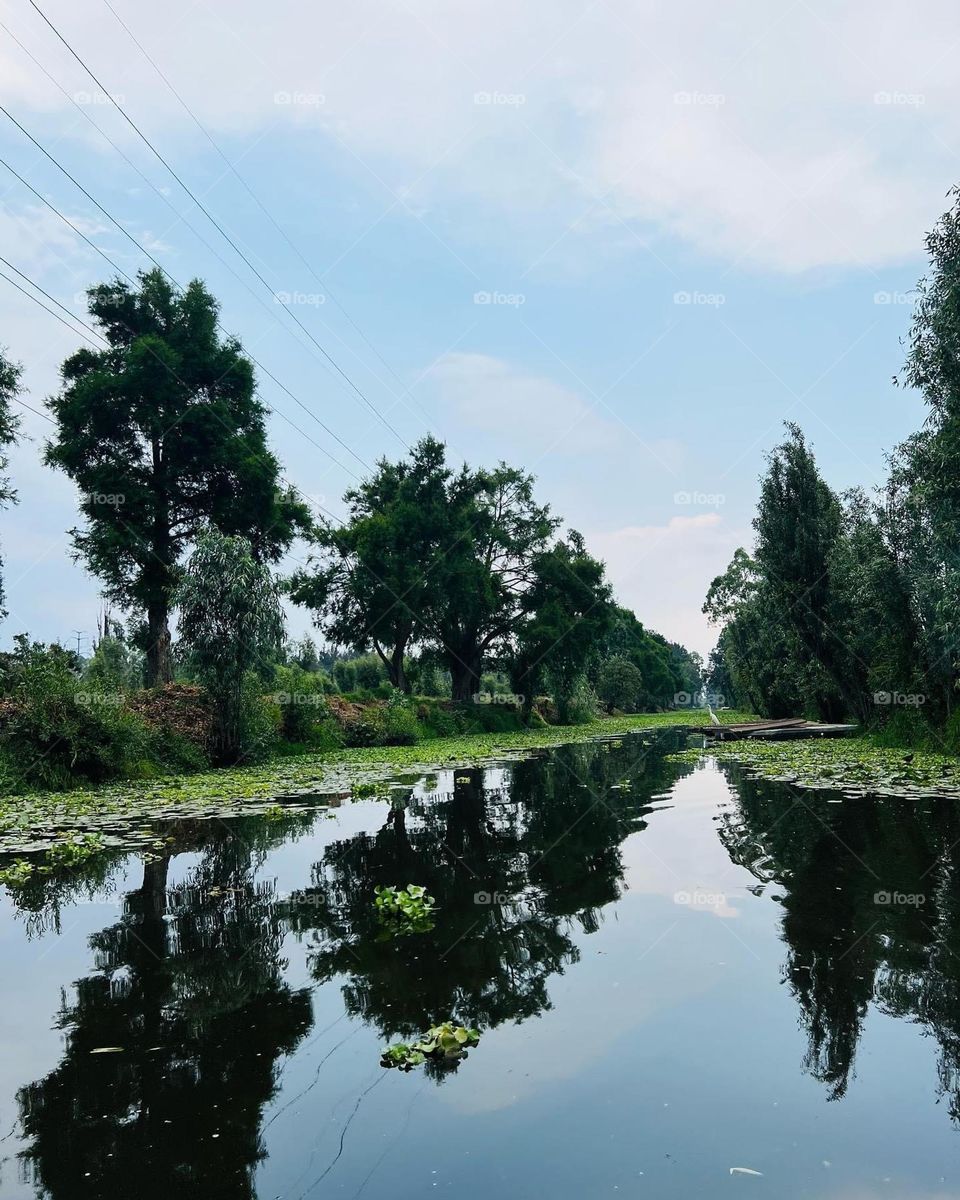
569,610
10,373
497,535
371,582
798,524
162,432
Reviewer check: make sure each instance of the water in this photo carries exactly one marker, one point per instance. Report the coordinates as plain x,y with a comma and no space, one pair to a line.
675,972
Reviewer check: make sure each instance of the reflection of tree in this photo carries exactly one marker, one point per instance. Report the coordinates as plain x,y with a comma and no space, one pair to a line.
846,945
189,984
512,869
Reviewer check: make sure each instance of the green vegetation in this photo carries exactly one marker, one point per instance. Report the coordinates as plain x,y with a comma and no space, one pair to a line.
32,820
846,608
163,435
404,911
446,1041
854,766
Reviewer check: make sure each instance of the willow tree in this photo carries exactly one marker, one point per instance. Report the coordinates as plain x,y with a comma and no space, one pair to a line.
163,433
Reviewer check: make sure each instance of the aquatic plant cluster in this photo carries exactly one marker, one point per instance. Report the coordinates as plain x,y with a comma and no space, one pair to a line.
445,1042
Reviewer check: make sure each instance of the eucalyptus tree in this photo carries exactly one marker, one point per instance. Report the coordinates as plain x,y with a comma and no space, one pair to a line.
163,433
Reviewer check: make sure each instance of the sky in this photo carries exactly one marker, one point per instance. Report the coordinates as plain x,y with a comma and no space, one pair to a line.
616,243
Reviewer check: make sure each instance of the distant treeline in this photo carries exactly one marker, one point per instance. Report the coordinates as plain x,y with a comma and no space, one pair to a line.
849,605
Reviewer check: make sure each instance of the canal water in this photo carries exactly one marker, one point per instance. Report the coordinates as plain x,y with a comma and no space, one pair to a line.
686,983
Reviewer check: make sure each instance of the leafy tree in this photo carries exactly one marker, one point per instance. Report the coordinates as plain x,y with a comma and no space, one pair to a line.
497,537
569,610
163,433
370,585
798,523
10,373
620,684
231,627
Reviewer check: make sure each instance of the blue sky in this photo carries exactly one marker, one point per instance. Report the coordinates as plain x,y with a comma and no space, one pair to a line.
614,243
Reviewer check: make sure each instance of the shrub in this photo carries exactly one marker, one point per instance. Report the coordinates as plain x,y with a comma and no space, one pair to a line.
580,707
54,731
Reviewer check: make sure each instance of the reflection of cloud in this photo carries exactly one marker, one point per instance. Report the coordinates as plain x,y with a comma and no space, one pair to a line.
663,571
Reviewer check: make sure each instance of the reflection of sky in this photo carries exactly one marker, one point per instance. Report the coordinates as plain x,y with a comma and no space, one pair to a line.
671,1052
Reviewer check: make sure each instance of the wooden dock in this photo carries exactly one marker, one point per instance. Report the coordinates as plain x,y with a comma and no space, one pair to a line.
794,727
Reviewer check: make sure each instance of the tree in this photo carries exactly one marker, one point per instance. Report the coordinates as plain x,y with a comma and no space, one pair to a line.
497,537
568,611
10,373
798,524
371,583
620,684
231,626
163,433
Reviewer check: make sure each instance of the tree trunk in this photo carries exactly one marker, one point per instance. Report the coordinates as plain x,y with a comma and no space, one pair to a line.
398,676
465,672
159,656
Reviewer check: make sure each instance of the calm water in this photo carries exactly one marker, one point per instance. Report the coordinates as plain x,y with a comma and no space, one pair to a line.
675,971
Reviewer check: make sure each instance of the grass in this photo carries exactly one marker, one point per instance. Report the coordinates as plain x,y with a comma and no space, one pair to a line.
28,822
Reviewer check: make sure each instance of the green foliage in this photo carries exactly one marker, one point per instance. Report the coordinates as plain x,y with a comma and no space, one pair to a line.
54,731
305,719
580,706
163,434
446,1041
404,910
231,628
620,684
72,850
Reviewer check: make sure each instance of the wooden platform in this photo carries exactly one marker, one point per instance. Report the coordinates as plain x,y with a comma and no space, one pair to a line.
794,727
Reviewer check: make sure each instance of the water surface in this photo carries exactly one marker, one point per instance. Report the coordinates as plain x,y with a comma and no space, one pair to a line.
675,971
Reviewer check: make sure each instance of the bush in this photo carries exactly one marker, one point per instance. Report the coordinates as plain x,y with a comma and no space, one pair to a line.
399,722
304,715
581,706
54,730
909,728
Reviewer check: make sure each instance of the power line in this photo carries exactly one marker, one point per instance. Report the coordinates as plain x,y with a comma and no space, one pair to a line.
29,295
317,276
179,287
216,224
96,333
47,417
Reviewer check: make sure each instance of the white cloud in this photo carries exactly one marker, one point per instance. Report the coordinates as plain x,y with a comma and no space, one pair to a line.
532,413
663,572
813,136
